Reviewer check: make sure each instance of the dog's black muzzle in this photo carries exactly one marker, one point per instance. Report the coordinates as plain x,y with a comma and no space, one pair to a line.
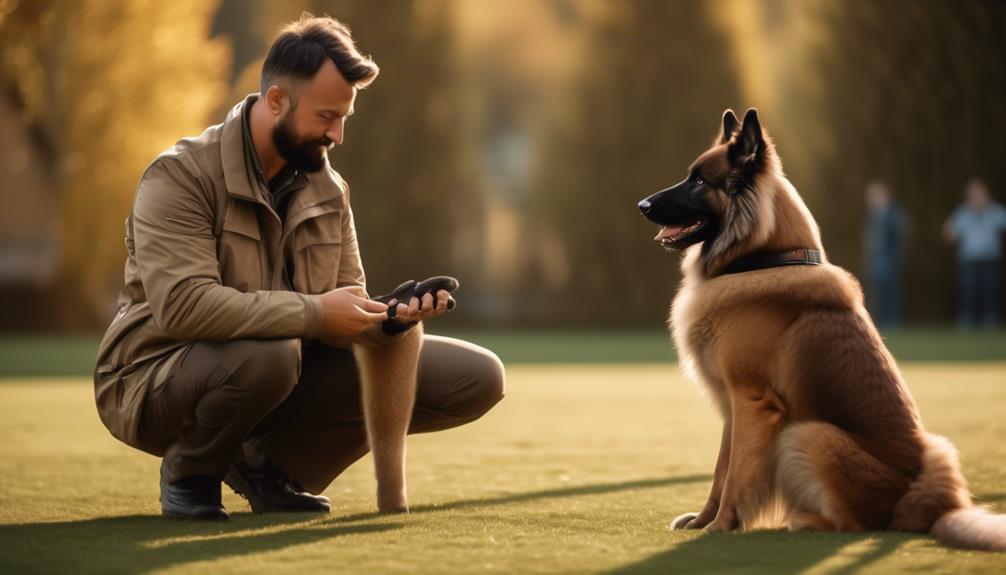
676,205
681,205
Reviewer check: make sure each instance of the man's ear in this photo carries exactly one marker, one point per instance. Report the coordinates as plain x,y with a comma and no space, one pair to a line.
275,99
750,143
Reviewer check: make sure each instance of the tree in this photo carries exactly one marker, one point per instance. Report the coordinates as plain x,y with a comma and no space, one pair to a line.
108,86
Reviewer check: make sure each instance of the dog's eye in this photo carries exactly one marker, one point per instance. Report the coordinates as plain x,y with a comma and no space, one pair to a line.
699,181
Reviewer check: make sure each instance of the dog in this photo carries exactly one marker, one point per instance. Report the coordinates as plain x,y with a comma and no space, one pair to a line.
820,431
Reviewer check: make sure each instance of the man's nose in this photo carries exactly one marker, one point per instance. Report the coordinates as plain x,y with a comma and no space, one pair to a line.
334,134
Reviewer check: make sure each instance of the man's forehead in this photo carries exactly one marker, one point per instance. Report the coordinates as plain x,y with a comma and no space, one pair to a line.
328,89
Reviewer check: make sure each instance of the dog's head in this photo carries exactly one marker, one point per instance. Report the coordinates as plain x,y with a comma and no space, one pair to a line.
718,202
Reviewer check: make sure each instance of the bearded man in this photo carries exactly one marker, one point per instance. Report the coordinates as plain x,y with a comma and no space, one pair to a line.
229,356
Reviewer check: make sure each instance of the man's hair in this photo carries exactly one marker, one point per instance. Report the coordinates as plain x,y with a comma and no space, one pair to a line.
302,47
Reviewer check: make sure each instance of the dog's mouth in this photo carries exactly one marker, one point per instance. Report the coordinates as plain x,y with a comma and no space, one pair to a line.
677,236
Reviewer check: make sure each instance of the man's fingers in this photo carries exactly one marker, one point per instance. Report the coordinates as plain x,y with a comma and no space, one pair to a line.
442,296
427,303
372,317
402,311
414,307
372,306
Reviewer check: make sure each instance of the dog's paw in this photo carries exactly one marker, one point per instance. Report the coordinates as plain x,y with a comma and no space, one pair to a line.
724,523
683,521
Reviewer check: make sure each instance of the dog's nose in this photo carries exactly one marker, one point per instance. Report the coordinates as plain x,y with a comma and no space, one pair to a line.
644,206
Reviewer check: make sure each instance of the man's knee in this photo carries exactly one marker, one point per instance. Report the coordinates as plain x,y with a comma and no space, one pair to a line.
488,386
270,368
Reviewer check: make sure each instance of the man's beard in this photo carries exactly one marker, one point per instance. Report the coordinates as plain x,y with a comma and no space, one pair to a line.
300,155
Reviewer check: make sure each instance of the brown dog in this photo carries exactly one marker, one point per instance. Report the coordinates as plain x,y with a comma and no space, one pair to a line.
819,428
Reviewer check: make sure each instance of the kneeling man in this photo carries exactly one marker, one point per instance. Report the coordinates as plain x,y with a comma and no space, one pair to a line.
245,348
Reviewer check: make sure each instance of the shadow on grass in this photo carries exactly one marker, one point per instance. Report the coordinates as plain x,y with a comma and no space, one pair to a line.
138,543
777,552
143,543
573,491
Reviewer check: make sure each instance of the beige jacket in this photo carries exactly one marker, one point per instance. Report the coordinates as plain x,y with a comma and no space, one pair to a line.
205,262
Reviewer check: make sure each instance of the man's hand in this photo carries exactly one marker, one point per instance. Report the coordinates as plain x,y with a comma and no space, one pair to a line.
414,302
422,309
346,313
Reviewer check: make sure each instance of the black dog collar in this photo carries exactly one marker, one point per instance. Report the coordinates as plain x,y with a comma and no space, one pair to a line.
762,260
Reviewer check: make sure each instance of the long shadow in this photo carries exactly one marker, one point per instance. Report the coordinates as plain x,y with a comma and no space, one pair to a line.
777,552
139,543
142,543
544,494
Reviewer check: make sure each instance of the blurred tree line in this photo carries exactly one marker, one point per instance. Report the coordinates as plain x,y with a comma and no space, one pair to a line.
508,143
99,89
908,92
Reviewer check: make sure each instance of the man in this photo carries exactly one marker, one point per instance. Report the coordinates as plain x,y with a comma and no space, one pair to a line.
242,260
977,227
884,240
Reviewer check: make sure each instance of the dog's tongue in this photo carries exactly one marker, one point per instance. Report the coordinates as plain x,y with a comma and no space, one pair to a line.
668,232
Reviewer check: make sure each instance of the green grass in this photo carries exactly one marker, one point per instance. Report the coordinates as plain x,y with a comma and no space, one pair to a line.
578,470
25,355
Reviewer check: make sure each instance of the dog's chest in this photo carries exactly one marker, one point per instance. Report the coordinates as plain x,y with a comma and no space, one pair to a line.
695,339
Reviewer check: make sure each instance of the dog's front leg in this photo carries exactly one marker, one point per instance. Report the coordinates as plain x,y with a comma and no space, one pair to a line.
388,380
748,483
712,506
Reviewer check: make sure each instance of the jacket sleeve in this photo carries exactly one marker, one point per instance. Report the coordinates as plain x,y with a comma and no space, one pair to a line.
176,257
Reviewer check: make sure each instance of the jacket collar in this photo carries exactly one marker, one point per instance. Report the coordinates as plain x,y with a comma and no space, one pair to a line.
322,187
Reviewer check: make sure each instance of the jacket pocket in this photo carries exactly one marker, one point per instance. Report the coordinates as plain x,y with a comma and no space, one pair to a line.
316,247
240,254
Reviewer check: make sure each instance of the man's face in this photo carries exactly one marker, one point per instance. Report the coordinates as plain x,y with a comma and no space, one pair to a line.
306,131
977,194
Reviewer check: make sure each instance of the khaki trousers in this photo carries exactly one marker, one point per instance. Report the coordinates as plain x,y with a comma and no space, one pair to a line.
300,405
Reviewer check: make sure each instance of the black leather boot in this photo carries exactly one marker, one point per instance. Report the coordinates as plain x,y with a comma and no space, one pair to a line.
267,489
196,497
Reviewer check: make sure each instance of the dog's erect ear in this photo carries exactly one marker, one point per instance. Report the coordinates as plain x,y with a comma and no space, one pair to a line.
750,143
730,126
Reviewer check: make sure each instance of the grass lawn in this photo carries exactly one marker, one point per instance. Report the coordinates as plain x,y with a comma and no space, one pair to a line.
578,470
34,355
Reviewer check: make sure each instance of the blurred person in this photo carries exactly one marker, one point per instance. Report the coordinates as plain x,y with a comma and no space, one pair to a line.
976,226
231,355
885,236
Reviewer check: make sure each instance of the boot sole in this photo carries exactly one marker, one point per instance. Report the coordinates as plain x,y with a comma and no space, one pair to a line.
237,483
183,517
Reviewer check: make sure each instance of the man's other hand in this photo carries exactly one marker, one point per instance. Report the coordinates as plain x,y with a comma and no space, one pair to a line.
422,309
346,312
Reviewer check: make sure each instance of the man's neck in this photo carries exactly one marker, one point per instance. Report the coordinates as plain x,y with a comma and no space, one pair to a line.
261,134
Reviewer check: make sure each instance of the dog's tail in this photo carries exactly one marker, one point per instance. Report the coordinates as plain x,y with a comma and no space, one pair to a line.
938,502
971,528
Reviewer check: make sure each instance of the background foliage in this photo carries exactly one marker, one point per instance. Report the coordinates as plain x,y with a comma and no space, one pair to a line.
505,143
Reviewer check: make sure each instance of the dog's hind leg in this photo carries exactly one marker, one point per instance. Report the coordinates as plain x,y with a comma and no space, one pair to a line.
804,521
830,482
